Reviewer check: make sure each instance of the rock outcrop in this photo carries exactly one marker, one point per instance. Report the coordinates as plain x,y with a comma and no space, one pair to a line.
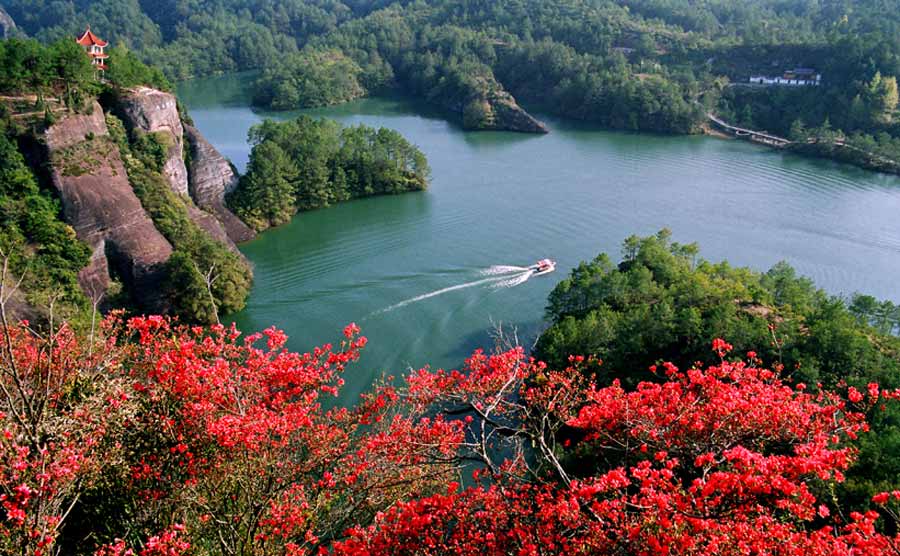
99,203
151,111
495,109
7,25
506,114
211,177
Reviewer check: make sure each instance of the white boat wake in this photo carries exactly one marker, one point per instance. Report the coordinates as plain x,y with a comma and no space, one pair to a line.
515,280
503,269
500,276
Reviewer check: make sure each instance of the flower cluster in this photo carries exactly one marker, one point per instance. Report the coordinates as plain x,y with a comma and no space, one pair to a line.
199,441
723,460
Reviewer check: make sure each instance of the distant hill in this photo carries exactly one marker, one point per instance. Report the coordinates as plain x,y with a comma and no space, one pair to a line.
642,65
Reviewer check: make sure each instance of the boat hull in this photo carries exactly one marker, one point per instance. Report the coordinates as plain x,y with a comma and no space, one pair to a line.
545,266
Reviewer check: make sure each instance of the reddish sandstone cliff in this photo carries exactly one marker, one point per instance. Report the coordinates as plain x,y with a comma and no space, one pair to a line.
99,203
152,111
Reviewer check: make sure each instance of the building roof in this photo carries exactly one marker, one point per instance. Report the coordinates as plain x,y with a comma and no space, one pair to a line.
90,39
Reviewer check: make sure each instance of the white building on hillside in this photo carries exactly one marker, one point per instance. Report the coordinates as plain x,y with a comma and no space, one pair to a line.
799,77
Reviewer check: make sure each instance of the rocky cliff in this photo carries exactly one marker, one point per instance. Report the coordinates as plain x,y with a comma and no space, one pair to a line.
502,112
99,203
7,25
496,109
211,177
153,111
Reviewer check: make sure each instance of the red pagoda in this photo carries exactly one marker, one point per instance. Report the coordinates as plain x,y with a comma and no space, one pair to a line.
94,46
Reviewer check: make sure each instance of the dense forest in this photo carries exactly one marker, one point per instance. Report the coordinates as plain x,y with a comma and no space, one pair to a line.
308,79
656,65
306,164
663,302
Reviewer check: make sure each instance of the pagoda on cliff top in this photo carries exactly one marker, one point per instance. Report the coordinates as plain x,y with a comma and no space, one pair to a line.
94,46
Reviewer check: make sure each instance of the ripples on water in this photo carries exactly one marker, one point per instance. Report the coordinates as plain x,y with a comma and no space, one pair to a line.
425,268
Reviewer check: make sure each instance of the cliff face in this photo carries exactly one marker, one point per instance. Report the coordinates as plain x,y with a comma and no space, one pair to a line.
493,108
502,112
211,177
7,25
99,203
155,111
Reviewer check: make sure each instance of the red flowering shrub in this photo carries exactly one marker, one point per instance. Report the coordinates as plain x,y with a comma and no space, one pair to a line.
726,460
58,399
242,450
217,444
167,543
206,439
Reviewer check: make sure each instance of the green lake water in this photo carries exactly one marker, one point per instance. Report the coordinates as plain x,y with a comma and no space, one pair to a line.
414,271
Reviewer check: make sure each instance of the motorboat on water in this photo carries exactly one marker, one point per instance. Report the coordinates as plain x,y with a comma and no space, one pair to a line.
543,266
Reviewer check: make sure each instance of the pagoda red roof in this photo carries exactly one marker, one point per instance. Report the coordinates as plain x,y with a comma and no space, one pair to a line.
90,39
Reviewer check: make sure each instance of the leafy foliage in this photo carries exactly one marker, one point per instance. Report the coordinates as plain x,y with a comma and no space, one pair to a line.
309,79
306,164
679,467
63,69
126,70
663,303
27,66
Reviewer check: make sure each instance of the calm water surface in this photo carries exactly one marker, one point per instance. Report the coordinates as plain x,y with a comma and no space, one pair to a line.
510,199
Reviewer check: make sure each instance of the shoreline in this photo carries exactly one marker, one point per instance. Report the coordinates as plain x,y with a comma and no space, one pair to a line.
836,153
712,132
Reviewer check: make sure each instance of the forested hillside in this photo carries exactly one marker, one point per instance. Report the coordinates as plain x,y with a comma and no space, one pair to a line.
664,303
634,64
654,65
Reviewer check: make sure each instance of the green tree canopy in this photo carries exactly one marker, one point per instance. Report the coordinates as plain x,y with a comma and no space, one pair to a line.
305,164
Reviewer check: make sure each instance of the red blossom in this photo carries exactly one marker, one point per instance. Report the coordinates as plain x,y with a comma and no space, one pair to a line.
733,454
232,437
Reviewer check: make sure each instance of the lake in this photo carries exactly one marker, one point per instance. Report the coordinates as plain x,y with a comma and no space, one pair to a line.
423,275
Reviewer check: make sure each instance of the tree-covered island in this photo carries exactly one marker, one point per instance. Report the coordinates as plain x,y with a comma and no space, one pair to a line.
305,164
